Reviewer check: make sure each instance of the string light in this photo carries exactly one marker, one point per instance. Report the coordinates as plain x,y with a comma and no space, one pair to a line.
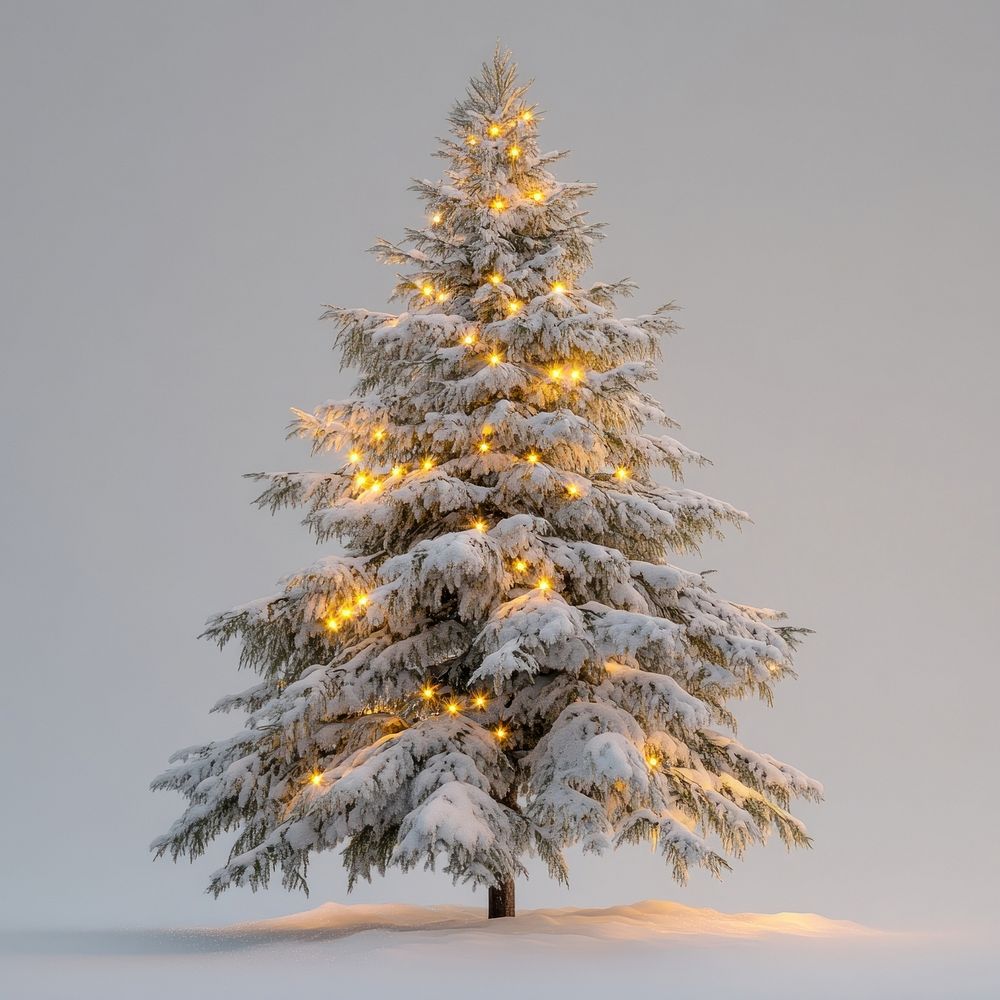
652,760
362,600
526,116
555,372
452,707
487,430
360,479
472,140
346,612
427,692
498,204
495,278
353,457
520,566
500,733
316,778
436,219
427,291
513,306
379,434
543,584
514,152
376,486
575,375
479,525
494,131
484,446
442,296
558,288
332,624
495,359
621,473
427,464
532,457
537,196
479,700
469,339
397,471
572,490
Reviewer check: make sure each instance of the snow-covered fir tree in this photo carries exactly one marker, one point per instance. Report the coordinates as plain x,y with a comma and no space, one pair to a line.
503,662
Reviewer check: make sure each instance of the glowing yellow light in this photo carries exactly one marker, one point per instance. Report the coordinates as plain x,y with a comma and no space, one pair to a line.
558,288
397,470
532,458
494,131
442,296
427,692
378,435
363,600
332,624
495,359
520,566
316,778
472,140
514,152
544,584
484,446
436,219
354,456
555,372
498,204
426,464
376,486
513,306
575,375
360,479
537,196
469,339
479,525
621,472
572,490
452,707
495,279
487,429
526,116
652,760
427,291
500,733
479,700
346,612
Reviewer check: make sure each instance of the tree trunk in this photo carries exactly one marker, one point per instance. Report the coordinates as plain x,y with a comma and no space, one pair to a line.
502,899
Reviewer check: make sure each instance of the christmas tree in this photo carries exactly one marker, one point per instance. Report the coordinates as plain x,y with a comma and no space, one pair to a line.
502,663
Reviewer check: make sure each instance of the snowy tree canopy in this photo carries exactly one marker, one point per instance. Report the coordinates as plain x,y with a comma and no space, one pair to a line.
502,661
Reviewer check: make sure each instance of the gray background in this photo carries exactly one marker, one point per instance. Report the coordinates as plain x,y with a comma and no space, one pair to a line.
184,184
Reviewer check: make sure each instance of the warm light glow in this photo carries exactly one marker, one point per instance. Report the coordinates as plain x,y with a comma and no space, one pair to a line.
558,288
537,196
436,219
469,339
479,524
354,456
621,472
452,707
573,490
575,375
346,612
484,446
427,692
479,700
332,624
495,359
379,434
514,152
532,457
494,131
544,584
360,479
520,566
495,279
397,470
652,760
487,430
471,140
498,204
363,600
526,116
316,778
513,306
376,486
442,296
427,291
555,372
427,464
500,733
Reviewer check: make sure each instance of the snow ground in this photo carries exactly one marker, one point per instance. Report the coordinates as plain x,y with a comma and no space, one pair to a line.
442,952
